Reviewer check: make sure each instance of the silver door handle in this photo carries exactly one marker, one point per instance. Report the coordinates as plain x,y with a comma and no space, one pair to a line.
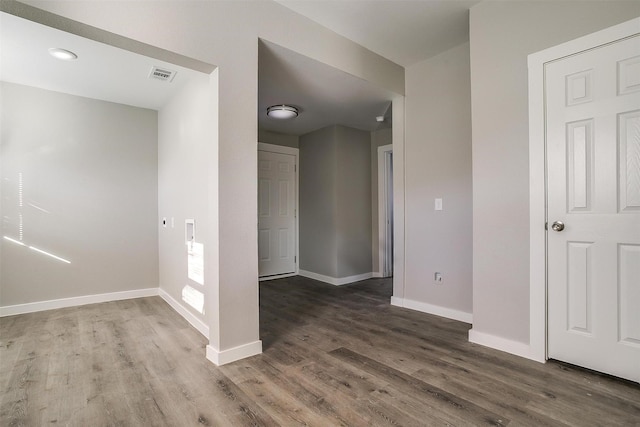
557,226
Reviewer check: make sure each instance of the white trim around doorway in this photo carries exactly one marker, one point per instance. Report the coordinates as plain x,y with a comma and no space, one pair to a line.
537,173
398,121
384,175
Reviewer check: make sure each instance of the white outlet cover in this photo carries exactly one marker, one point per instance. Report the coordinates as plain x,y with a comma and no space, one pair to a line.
438,204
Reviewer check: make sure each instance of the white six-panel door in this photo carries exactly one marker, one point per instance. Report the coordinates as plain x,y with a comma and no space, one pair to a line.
276,214
593,189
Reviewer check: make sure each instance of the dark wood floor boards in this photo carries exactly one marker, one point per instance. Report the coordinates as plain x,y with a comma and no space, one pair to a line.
306,394
180,389
547,387
285,407
453,406
489,394
331,378
345,385
332,356
421,343
384,403
364,333
466,375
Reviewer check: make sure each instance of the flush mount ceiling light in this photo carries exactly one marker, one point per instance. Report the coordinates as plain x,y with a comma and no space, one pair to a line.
282,112
65,55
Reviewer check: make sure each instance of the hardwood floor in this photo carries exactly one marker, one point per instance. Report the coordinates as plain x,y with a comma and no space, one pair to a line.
332,356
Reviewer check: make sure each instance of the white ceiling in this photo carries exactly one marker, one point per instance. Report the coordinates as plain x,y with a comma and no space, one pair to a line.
100,72
404,31
324,95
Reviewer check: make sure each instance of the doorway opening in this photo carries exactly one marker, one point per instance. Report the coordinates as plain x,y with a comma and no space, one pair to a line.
385,210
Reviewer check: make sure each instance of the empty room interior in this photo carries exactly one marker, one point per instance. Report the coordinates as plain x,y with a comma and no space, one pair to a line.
332,212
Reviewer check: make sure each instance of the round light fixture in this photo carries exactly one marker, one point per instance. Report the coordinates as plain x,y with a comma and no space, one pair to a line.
282,112
65,55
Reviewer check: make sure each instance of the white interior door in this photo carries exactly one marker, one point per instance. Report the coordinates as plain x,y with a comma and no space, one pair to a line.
276,214
593,190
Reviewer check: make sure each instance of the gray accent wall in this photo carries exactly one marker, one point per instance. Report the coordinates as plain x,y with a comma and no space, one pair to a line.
89,195
335,202
318,202
353,202
502,35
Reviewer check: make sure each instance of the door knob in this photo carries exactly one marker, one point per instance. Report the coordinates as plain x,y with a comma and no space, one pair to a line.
557,226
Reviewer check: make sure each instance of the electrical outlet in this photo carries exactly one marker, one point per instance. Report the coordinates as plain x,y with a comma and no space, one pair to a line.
437,277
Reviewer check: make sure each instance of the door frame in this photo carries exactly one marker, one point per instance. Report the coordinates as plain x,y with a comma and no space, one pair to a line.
538,348
295,152
384,176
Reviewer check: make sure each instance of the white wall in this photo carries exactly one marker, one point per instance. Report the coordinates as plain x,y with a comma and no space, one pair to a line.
502,35
89,196
184,139
226,34
438,165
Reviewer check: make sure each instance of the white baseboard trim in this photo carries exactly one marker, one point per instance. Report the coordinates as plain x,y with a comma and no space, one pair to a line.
200,326
32,307
376,274
503,344
277,276
231,355
424,307
398,302
335,280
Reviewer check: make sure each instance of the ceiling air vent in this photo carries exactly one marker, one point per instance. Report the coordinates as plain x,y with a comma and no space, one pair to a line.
162,74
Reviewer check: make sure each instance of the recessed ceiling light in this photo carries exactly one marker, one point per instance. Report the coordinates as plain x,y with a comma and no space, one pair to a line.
282,112
65,55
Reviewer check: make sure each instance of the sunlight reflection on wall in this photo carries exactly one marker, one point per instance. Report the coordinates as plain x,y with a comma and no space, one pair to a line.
194,298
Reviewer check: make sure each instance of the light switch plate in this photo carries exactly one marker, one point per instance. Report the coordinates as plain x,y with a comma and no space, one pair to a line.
438,204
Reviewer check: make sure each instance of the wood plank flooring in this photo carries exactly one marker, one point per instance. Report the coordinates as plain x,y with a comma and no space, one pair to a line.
332,356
